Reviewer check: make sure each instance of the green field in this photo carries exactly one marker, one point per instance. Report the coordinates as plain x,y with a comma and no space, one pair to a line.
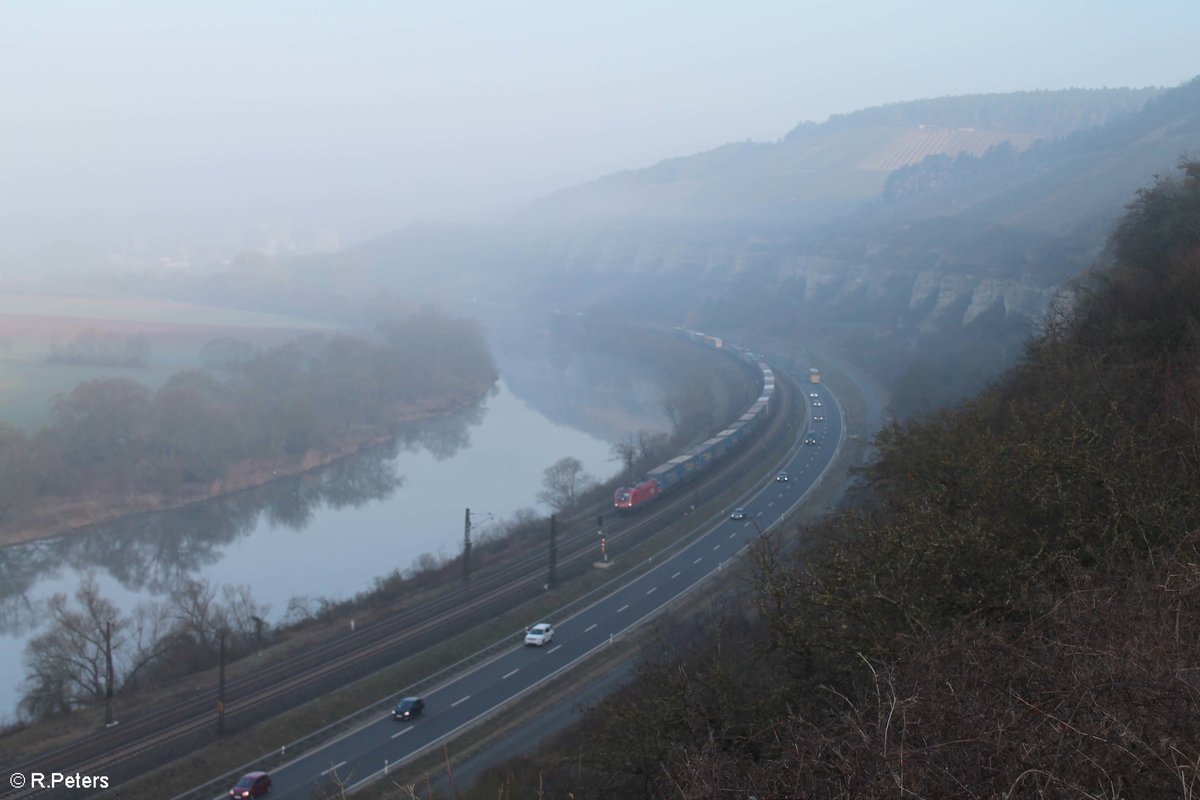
31,325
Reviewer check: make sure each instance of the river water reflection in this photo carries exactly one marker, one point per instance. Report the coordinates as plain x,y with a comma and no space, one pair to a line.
332,532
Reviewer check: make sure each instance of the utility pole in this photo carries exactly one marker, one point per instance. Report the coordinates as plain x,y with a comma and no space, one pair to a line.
467,547
108,679
553,582
603,539
221,689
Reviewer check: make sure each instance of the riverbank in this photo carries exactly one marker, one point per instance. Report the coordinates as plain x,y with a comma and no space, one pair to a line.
74,514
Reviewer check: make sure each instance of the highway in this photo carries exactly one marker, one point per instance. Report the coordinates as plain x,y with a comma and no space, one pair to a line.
369,752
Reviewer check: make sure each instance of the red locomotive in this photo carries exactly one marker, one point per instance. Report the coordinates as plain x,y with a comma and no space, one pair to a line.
628,497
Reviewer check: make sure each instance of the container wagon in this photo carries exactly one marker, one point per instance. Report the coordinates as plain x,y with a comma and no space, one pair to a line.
666,477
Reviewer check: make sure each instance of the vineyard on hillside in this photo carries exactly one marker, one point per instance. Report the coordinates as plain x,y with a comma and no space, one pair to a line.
914,145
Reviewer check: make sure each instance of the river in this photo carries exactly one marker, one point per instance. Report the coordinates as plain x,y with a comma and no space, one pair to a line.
330,533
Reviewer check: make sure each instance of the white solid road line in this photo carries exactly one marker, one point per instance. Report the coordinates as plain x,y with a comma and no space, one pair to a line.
622,628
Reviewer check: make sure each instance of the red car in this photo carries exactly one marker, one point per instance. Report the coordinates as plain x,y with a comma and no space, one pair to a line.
252,784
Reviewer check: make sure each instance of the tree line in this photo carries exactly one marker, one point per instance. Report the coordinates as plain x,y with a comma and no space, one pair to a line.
113,436
102,349
1008,608
67,665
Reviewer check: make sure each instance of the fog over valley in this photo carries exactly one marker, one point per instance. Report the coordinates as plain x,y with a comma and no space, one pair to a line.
640,401
150,138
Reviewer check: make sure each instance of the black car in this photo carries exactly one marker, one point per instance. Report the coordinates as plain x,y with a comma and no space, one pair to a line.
408,708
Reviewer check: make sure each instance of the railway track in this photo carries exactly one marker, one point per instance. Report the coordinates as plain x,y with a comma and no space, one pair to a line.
189,723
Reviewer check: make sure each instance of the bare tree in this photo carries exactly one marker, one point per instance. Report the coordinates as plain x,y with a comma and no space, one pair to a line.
626,452
197,621
302,608
652,446
242,614
148,637
564,480
67,664
335,789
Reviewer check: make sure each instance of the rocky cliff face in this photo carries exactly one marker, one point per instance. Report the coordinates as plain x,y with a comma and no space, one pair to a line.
959,300
927,301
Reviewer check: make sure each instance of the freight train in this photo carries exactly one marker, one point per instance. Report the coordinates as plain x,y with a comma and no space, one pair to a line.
681,469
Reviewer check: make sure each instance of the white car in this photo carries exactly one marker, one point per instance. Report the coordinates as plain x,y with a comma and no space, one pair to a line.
541,634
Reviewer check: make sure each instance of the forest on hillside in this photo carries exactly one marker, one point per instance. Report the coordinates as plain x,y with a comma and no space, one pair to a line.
1048,113
1009,608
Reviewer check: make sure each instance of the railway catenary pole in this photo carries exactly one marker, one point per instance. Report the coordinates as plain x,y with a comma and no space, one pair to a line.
221,689
108,674
467,547
552,582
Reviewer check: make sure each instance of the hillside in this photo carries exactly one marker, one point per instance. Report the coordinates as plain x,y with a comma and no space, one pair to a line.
1057,185
934,284
930,273
820,171
1009,610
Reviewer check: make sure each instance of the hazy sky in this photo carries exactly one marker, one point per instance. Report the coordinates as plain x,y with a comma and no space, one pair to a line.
182,123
